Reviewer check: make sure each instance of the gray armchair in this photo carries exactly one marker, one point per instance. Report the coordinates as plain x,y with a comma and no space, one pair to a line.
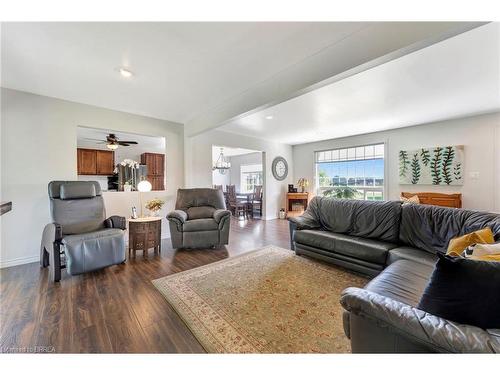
200,219
80,230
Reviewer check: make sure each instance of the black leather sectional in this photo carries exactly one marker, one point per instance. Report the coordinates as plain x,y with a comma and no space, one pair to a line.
398,245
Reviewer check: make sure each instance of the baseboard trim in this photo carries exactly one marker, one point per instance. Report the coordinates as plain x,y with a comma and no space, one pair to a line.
36,258
19,261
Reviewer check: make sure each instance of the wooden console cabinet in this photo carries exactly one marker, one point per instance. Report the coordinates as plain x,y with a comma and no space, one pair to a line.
95,162
144,233
293,198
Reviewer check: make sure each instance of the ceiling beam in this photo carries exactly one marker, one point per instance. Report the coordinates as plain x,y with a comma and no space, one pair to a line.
352,55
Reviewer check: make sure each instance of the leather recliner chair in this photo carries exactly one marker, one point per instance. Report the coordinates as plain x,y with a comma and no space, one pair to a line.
80,230
200,219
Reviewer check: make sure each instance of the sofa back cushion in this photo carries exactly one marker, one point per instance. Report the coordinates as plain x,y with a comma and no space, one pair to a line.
431,228
367,219
199,197
77,206
202,212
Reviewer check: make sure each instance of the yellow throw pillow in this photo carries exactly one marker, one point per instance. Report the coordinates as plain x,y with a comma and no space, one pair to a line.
457,245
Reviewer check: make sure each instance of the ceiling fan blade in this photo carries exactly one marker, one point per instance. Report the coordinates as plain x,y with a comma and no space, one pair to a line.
91,139
122,144
129,142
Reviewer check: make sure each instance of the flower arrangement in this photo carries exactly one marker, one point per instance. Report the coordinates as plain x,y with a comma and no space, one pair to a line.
303,183
129,163
155,205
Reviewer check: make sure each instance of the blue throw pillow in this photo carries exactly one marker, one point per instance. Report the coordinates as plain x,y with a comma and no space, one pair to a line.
464,291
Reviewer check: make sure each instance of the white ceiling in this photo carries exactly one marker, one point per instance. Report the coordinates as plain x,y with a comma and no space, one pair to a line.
454,78
184,70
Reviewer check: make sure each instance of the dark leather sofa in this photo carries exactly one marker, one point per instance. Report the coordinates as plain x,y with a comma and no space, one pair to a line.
398,245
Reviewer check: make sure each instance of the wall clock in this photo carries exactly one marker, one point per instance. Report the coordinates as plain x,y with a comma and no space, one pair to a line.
279,168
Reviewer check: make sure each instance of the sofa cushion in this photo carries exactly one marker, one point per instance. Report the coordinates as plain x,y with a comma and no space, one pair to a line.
201,212
361,248
320,239
411,253
431,228
403,281
358,265
199,225
92,235
376,220
91,251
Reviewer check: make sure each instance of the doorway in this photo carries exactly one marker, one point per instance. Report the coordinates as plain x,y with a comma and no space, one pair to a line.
239,173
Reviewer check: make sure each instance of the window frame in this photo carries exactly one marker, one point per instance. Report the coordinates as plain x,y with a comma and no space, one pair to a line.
241,176
384,143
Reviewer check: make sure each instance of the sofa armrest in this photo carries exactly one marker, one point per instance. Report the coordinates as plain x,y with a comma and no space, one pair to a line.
304,222
178,217
116,222
51,233
416,325
220,214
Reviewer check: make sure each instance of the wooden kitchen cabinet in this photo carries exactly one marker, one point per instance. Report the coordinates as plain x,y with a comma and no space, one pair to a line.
156,169
105,162
95,162
159,161
87,161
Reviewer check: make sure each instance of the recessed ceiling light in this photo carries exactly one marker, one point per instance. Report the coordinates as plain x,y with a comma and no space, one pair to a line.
125,72
269,117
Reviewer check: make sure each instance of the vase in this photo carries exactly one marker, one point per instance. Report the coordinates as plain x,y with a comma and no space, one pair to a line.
155,213
127,188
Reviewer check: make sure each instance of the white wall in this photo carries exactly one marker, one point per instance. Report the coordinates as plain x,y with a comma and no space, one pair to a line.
479,135
38,145
198,162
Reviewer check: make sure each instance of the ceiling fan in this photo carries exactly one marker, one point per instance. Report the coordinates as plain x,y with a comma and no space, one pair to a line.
112,142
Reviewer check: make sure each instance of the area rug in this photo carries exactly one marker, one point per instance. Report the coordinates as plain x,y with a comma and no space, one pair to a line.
265,301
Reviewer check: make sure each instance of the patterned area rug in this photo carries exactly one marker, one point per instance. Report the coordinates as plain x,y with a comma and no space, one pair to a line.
265,301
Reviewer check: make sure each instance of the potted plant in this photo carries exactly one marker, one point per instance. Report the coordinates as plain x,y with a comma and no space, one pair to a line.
155,205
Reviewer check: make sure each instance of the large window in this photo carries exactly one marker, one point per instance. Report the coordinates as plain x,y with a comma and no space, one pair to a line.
354,172
250,176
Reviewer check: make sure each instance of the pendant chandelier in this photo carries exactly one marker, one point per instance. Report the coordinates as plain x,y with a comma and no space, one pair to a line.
222,164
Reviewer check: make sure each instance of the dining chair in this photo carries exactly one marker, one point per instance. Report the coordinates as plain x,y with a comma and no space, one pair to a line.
256,201
236,206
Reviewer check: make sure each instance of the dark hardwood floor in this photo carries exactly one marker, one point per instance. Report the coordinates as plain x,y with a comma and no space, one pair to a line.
115,310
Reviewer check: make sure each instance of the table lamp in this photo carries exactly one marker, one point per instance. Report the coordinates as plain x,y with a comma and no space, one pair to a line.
143,186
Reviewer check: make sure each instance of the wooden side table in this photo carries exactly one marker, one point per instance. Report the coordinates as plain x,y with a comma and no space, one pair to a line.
143,234
291,198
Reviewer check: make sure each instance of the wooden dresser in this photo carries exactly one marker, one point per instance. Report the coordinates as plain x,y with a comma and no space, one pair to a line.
144,234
